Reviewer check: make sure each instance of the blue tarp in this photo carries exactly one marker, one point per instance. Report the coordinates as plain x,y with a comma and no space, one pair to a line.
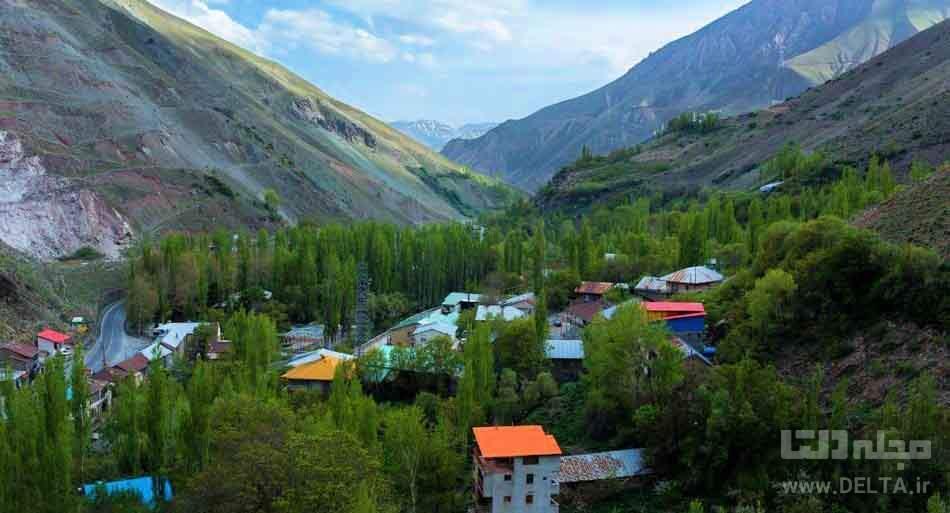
143,486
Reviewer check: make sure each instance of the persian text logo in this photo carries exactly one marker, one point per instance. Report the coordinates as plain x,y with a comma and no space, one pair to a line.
837,445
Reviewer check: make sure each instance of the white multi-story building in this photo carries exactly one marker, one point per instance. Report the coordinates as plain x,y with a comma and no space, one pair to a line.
516,470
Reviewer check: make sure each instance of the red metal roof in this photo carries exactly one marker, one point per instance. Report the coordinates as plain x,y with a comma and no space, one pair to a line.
54,336
593,287
586,311
111,374
24,350
673,306
515,441
137,363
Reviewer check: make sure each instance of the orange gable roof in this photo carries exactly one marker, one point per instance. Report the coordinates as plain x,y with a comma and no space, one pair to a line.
515,441
320,370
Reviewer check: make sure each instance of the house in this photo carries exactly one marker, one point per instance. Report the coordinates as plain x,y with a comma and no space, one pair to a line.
590,291
507,313
567,359
158,351
661,310
21,357
314,375
692,279
218,349
602,465
524,302
136,366
458,301
312,356
145,487
516,469
302,338
423,334
174,335
582,313
652,287
51,342
110,375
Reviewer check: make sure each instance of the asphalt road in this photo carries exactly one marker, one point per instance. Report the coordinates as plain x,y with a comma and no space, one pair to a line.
113,344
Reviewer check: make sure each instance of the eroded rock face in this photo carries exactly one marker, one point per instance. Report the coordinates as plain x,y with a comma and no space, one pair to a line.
312,111
47,216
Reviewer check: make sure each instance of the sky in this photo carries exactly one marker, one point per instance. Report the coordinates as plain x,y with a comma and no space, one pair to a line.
455,61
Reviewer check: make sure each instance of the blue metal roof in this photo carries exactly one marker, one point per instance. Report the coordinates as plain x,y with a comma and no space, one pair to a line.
142,486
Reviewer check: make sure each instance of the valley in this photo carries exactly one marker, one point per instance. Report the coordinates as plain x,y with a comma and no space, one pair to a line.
719,284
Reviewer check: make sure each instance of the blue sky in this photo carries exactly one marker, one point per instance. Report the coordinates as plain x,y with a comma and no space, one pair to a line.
455,61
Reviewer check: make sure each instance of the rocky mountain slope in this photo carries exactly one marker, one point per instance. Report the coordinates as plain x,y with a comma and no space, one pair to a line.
436,134
753,57
116,117
897,105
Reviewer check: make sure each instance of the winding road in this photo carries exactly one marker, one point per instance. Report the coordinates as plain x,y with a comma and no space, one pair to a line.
113,344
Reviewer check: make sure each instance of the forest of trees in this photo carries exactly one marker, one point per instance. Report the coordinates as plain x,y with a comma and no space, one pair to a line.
232,439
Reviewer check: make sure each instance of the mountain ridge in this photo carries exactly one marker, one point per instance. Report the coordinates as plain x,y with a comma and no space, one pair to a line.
162,125
895,106
436,134
732,65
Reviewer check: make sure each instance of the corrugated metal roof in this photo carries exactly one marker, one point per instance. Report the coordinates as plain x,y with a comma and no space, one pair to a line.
602,465
565,349
693,276
307,331
674,306
445,329
54,336
527,297
652,284
508,313
455,298
593,287
688,351
312,356
174,333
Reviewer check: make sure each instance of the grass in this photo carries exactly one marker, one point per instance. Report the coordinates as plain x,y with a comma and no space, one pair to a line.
83,254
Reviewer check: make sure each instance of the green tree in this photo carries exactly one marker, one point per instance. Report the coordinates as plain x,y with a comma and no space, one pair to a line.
79,409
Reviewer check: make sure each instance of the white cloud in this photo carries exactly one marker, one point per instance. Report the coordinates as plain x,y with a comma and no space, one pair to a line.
318,30
215,21
416,40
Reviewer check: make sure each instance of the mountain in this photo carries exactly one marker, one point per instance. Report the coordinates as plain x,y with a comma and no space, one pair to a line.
435,134
758,55
896,105
919,214
117,118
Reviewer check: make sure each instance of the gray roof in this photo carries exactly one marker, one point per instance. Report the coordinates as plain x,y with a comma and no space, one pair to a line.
565,349
602,465
455,298
307,331
652,284
508,313
520,298
693,276
445,329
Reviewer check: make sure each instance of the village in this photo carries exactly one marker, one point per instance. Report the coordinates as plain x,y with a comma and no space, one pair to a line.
517,468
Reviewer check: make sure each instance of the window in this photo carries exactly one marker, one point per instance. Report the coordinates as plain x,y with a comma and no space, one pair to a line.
529,499
530,478
507,477
530,460
507,499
